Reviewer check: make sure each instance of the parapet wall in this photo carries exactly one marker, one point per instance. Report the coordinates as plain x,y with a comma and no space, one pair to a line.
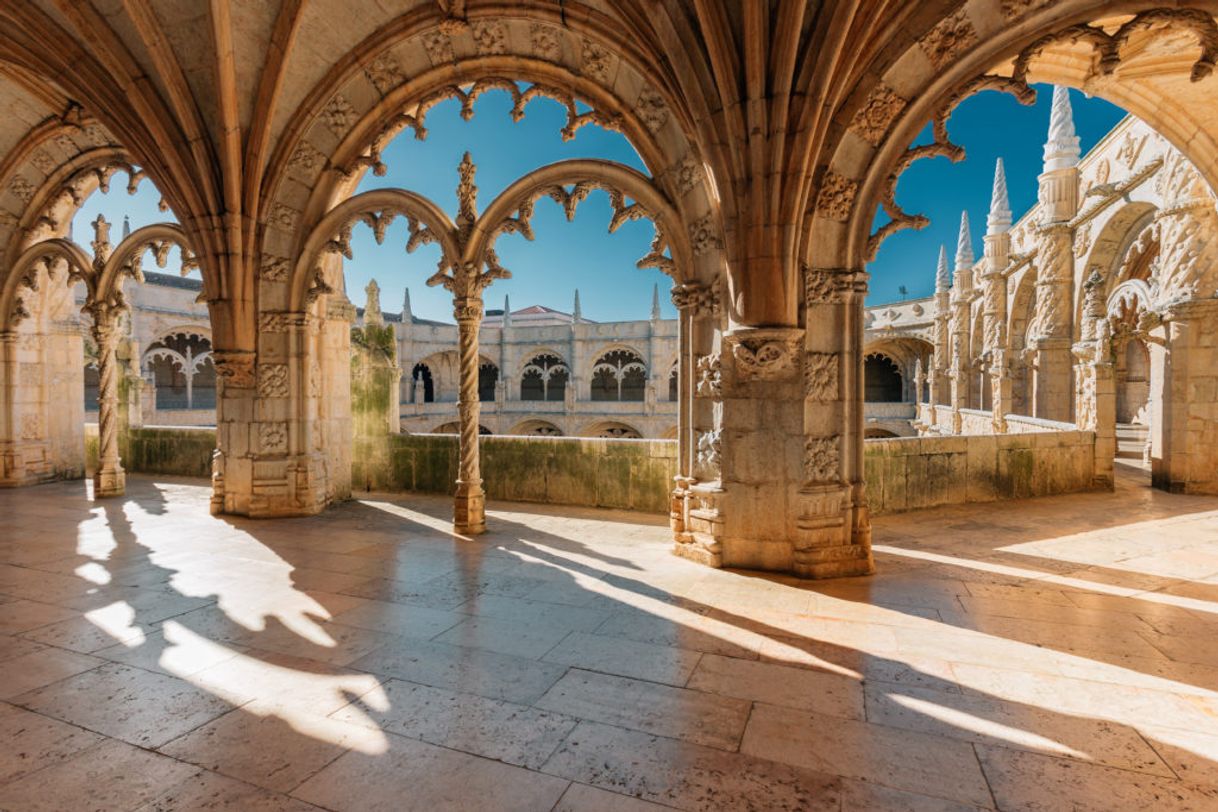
909,473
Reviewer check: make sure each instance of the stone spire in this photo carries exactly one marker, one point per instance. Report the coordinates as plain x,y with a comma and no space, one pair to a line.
943,278
964,246
576,315
999,219
655,302
372,306
1062,149
126,226
507,311
407,316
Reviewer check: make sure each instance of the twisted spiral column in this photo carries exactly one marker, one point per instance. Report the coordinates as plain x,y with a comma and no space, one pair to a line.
110,479
469,515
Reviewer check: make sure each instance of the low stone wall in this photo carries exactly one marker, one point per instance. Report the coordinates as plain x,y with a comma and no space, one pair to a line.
921,472
176,450
627,474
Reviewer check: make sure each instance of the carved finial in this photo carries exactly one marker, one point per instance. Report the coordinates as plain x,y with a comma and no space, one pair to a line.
999,220
507,311
1062,149
467,195
126,226
372,305
407,316
964,246
101,238
655,302
943,278
576,315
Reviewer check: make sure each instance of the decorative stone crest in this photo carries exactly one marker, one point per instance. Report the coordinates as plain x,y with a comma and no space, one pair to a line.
873,119
596,62
651,109
764,354
384,72
273,438
703,236
338,115
709,374
949,38
273,380
544,41
822,459
439,47
820,376
490,37
836,198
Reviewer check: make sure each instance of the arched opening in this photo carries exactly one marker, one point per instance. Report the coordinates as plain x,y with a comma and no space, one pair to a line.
488,378
612,430
619,375
536,428
422,388
544,379
882,382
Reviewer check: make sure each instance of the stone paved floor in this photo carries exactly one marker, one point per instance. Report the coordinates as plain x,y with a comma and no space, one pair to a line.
1053,654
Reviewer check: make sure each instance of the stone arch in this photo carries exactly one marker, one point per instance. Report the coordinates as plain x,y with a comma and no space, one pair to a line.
611,429
536,427
1115,238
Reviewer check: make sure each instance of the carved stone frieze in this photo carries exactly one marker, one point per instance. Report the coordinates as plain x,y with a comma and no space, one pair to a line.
490,37
274,321
305,159
274,269
339,115
836,198
764,354
873,119
709,375
596,62
686,175
273,380
544,42
439,47
822,459
384,72
821,376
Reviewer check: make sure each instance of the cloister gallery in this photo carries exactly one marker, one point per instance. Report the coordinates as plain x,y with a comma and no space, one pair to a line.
998,610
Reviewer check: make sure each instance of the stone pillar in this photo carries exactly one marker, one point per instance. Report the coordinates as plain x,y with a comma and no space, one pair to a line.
937,384
109,479
696,513
961,325
1184,432
919,380
469,516
12,467
1095,376
994,300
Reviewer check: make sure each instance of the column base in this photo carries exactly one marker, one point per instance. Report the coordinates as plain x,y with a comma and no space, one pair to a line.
833,536
109,483
700,537
469,509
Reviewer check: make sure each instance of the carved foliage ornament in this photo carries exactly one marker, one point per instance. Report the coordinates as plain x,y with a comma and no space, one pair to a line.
873,119
822,459
235,369
836,198
949,38
708,454
820,376
545,42
710,379
699,299
273,380
384,72
764,355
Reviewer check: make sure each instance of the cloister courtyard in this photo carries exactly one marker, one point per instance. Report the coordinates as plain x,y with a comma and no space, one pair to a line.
1048,654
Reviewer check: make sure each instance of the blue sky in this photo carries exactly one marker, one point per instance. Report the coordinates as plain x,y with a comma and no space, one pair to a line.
583,254
989,125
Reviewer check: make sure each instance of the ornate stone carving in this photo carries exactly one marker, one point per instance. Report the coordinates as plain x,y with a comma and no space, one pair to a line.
703,236
274,269
697,298
490,37
274,321
708,454
949,38
43,162
836,198
686,175
1011,9
31,426
651,109
283,216
1131,148
823,286
339,115
234,368
822,459
273,438
439,47
306,158
544,42
1082,240
273,380
596,62
384,72
710,378
820,376
22,189
873,119
764,354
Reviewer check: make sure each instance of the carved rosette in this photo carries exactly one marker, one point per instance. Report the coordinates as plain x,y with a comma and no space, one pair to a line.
822,460
821,376
273,380
873,119
764,354
273,438
947,40
836,198
709,375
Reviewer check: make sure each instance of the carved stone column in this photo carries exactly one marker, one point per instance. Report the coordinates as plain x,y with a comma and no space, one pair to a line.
469,515
232,468
109,479
12,467
696,513
1052,324
994,332
833,529
1095,376
919,380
